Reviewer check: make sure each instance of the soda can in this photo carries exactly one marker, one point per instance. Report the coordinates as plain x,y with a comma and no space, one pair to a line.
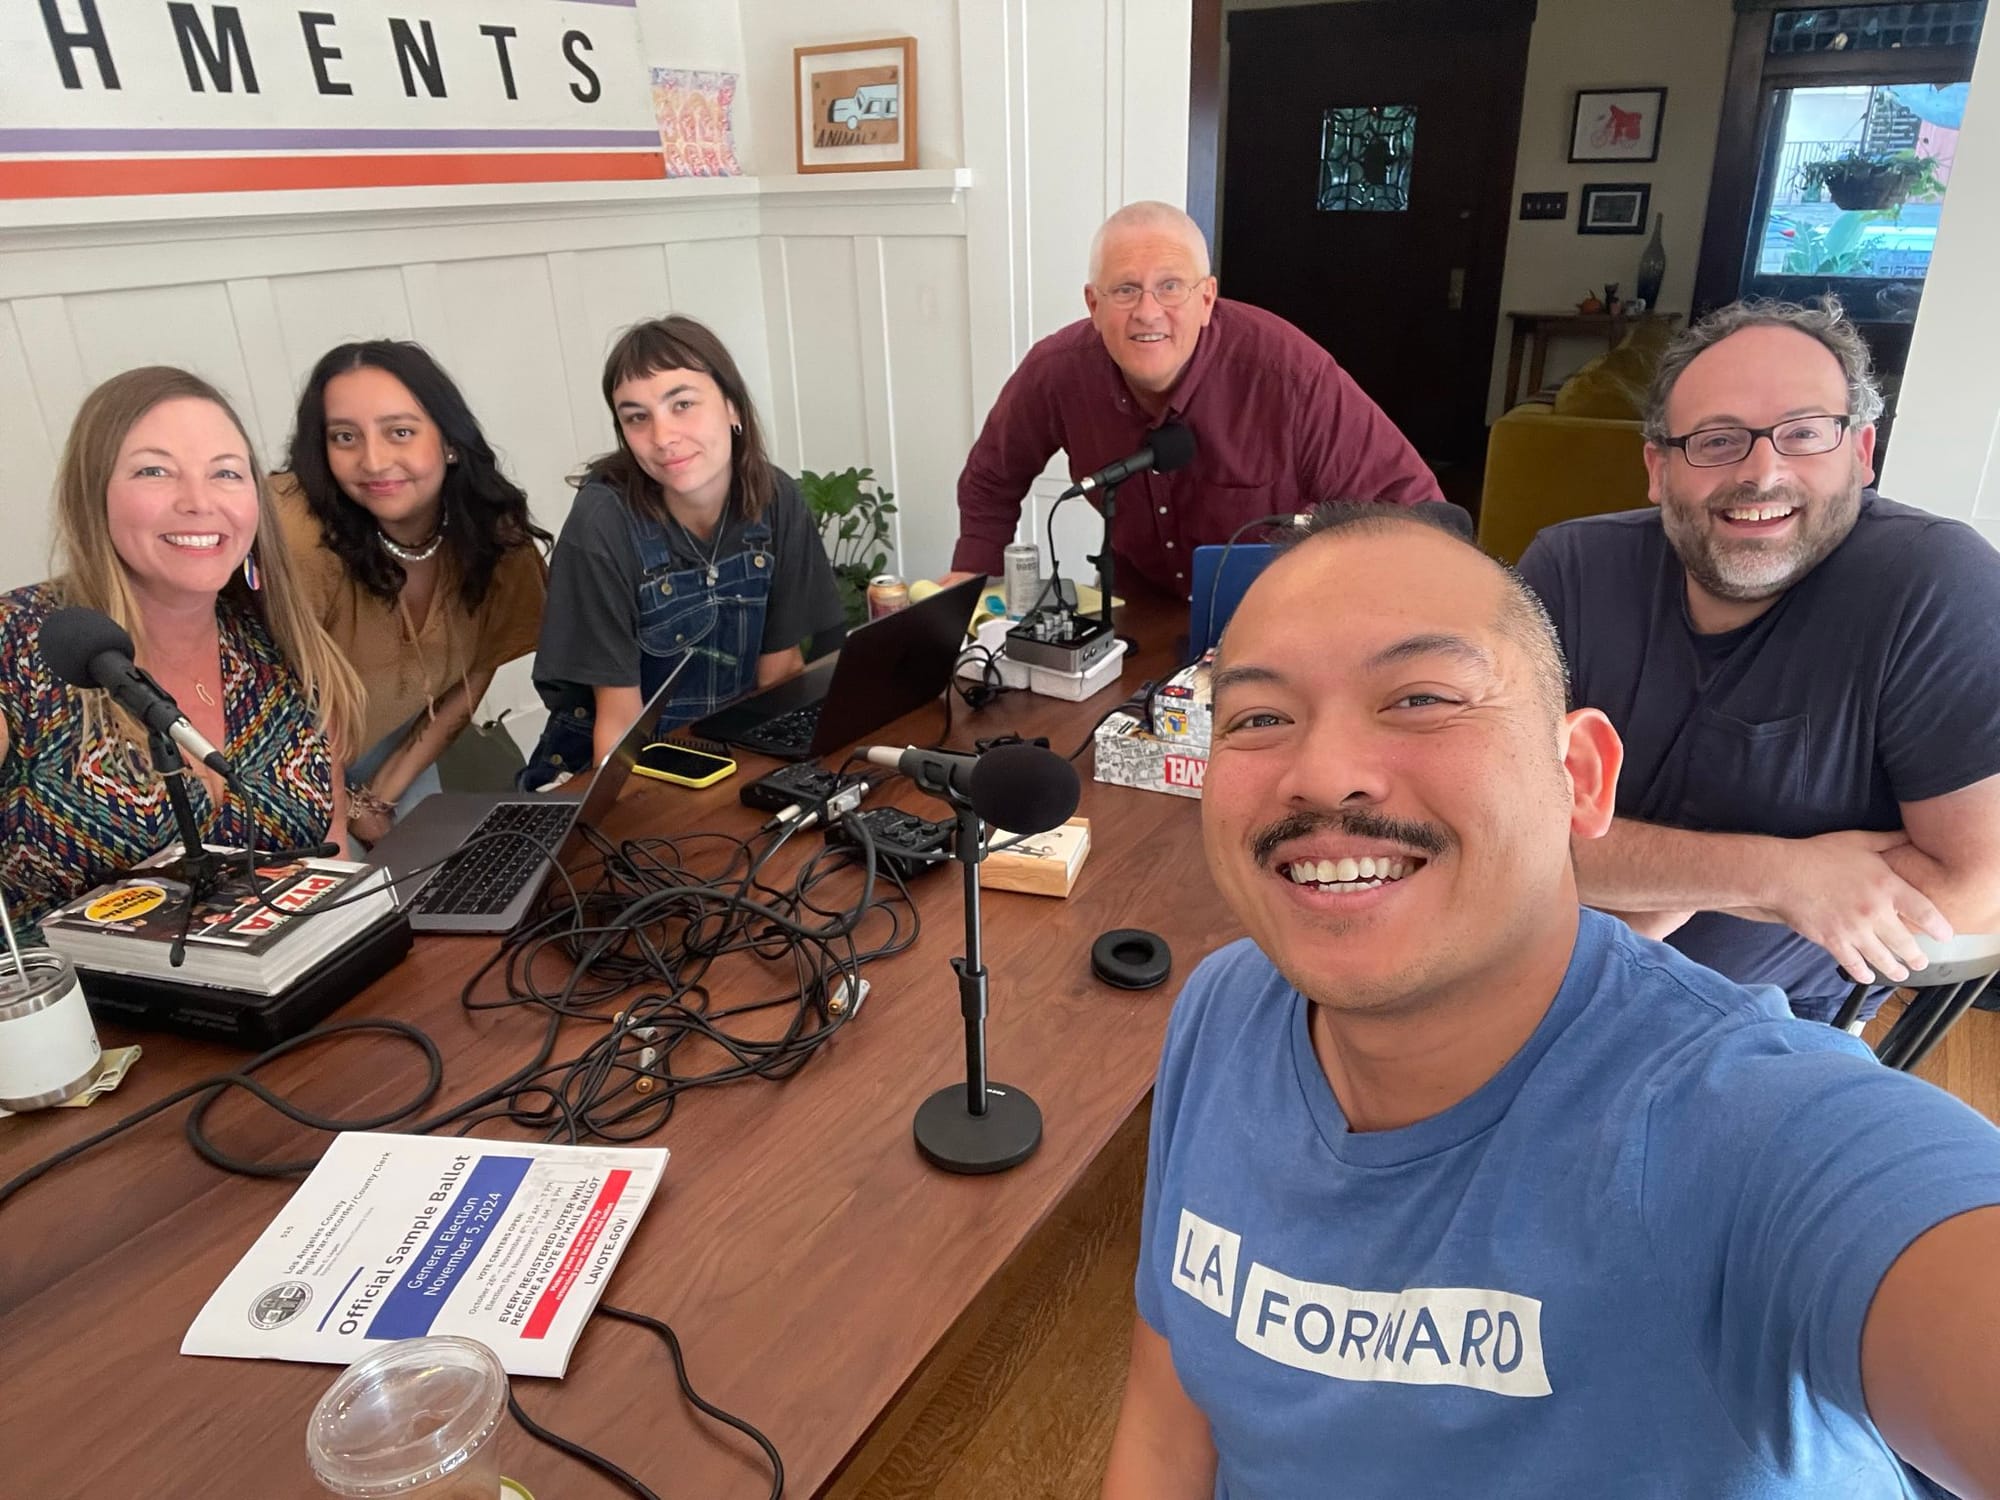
886,594
1022,564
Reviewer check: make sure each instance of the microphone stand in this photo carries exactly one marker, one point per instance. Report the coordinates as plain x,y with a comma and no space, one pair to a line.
982,1127
199,867
1103,559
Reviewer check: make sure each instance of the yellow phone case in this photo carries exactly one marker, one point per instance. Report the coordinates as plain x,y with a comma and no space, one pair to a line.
726,768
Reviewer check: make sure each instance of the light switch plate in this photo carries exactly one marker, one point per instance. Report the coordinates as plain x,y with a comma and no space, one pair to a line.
1545,205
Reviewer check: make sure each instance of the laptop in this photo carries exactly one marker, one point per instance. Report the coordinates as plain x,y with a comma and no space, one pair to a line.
884,670
490,887
1222,575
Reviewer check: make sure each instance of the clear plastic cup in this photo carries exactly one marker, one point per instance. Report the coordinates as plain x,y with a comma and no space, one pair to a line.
414,1420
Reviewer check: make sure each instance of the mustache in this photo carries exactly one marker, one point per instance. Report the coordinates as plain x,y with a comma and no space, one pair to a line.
1358,823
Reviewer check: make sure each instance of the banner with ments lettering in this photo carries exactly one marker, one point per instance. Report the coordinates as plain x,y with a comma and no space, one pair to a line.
107,97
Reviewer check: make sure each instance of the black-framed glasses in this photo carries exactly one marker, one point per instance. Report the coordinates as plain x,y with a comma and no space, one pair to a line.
1796,437
1169,293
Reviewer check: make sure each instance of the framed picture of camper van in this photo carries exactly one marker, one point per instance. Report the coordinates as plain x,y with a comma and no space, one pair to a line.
857,105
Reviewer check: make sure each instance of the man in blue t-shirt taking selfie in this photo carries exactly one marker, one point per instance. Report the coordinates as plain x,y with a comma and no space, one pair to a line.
1805,674
1455,1188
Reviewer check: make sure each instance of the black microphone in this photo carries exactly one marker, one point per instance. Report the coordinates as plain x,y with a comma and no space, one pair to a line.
1021,788
1172,448
87,648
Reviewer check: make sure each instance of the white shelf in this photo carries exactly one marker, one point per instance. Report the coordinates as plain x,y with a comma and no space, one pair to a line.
345,205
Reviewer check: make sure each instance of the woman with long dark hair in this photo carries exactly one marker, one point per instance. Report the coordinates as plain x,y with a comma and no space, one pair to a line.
685,539
418,554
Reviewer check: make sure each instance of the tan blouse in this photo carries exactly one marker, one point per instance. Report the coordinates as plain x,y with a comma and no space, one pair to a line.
405,676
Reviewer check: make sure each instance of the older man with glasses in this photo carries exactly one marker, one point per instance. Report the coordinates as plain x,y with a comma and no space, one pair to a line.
1278,425
1806,674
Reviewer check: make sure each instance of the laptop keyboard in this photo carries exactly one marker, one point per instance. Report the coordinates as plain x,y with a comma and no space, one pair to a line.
482,878
792,731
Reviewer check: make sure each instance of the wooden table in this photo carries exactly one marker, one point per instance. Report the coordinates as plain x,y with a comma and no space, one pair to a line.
1532,332
805,1254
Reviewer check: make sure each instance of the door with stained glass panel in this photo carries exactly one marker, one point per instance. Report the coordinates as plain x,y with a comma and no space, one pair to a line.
1366,181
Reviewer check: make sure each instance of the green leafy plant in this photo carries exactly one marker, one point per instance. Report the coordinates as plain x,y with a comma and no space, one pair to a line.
1861,180
1835,249
852,512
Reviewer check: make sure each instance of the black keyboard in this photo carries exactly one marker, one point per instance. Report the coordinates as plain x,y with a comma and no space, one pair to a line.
792,731
482,878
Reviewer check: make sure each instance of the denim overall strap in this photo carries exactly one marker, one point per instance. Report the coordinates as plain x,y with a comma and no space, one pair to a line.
679,611
720,623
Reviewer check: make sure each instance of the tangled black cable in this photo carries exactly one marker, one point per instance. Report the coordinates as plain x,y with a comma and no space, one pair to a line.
213,1088
646,921
649,923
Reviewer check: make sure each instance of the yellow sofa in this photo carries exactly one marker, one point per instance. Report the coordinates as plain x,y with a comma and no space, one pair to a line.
1583,456
1543,466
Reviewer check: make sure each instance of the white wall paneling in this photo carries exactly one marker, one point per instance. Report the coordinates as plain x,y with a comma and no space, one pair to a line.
520,296
875,315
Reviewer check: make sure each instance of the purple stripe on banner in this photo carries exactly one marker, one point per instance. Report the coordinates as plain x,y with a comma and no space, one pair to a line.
88,139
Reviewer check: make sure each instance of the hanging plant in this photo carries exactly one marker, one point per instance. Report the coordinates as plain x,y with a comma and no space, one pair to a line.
1860,181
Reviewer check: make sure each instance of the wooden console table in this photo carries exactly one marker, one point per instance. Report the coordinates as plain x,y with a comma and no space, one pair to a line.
1532,331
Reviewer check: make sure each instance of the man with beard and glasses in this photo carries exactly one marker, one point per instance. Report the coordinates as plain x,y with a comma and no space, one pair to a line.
1806,674
1457,1189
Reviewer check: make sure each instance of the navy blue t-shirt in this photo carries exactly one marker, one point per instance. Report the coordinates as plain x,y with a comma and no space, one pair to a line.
1636,1262
1873,681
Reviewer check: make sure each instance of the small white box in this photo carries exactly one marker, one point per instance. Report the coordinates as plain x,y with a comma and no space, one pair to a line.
1076,686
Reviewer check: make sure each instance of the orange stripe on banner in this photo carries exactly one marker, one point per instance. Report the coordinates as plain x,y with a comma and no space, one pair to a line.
241,174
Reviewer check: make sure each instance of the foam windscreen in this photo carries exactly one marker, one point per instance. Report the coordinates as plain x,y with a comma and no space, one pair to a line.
1173,448
1024,788
73,637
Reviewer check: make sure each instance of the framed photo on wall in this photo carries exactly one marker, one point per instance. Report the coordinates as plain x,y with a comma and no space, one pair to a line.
1613,208
1617,125
856,105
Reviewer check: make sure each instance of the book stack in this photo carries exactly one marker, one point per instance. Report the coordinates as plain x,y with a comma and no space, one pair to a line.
268,954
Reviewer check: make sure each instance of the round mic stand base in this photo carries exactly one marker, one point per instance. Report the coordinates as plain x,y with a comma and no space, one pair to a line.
1005,1136
976,1126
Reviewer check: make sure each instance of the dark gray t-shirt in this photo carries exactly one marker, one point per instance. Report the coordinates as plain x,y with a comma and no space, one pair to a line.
1874,681
590,626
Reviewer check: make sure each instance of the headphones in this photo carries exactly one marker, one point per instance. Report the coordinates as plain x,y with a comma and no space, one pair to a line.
1131,958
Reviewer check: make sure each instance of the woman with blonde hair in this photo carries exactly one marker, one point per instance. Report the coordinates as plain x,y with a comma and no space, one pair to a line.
162,523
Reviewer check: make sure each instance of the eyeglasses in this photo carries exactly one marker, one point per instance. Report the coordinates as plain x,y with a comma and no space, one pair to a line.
1169,293
1801,437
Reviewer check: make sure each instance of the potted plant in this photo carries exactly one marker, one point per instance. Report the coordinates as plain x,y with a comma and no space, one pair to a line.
1860,180
853,516
1835,249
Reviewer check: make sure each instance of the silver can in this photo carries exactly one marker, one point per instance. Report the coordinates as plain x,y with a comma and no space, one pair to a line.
1023,575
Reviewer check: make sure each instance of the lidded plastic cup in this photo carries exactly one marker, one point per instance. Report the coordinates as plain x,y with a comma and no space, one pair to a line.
414,1419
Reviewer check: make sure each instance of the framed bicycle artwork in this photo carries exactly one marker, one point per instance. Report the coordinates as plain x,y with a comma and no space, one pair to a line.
1617,125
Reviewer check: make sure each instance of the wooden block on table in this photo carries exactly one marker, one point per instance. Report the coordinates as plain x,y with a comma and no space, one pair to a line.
1044,865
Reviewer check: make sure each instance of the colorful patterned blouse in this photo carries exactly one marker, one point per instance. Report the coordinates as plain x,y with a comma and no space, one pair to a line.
70,818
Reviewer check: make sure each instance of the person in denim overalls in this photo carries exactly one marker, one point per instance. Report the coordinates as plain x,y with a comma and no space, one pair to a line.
684,541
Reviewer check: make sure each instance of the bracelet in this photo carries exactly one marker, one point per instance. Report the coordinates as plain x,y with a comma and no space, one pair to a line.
361,800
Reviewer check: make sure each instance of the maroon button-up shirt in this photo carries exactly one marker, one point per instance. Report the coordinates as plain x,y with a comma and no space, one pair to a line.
1278,425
